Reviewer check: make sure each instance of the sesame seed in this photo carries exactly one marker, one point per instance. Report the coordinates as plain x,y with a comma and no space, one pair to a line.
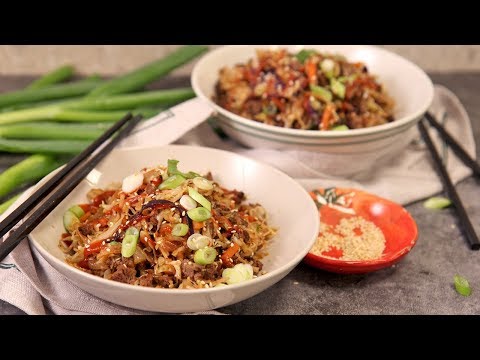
183,213
295,283
87,246
231,244
108,249
125,266
128,222
103,242
233,231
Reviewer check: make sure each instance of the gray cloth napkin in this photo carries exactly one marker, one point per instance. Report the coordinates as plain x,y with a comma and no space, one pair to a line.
32,285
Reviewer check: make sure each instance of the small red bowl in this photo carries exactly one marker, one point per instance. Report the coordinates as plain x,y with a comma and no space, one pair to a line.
397,225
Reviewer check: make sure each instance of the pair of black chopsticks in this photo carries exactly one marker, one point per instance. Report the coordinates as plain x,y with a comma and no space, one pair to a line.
69,177
463,218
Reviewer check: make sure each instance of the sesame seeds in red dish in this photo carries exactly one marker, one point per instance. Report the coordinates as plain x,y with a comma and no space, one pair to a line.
359,232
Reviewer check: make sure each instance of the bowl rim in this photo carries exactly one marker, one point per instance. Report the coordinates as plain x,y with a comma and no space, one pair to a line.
398,123
263,278
376,264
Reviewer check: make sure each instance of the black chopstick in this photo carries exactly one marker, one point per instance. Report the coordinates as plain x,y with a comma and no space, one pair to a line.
55,198
19,213
454,145
450,189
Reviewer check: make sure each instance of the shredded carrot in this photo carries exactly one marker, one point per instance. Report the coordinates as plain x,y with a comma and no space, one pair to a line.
326,116
228,254
197,225
311,70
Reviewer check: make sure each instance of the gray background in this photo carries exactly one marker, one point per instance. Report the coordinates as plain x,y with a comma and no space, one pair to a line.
113,59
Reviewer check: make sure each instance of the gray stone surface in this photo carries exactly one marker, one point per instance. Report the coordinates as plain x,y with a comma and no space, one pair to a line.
420,284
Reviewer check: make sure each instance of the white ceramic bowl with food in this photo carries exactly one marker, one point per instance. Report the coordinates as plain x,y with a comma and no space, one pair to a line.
344,152
289,207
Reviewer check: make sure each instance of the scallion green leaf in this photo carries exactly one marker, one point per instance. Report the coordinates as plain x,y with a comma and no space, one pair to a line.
129,243
462,286
437,202
199,214
180,230
205,256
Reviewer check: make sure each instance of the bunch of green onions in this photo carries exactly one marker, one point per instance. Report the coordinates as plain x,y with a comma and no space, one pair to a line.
53,120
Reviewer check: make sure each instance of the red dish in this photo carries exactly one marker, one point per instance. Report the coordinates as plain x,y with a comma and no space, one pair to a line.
398,227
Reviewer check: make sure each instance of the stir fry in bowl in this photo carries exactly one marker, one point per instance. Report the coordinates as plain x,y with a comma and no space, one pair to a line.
308,90
169,229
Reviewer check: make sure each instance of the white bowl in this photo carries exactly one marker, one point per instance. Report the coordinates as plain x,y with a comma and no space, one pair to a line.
345,152
288,205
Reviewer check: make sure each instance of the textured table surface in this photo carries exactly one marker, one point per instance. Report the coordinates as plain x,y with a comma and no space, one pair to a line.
420,284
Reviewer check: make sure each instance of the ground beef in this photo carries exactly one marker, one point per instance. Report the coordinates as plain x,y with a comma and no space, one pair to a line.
125,271
146,279
164,280
189,268
86,229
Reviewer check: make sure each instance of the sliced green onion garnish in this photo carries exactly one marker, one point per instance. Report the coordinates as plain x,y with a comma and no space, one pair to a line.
187,202
69,220
195,195
172,170
246,269
199,214
205,255
129,243
437,202
321,92
462,286
202,183
179,230
77,210
340,128
198,241
327,66
113,243
237,274
337,88
172,182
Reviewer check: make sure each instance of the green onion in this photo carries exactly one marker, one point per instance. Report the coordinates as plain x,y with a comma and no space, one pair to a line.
53,131
180,230
321,92
5,205
138,78
187,202
64,111
327,66
173,170
69,220
172,182
437,202
61,74
130,101
113,243
237,274
43,146
337,88
195,195
198,241
205,255
129,243
202,183
60,91
77,210
199,214
462,286
340,128
32,168
304,54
